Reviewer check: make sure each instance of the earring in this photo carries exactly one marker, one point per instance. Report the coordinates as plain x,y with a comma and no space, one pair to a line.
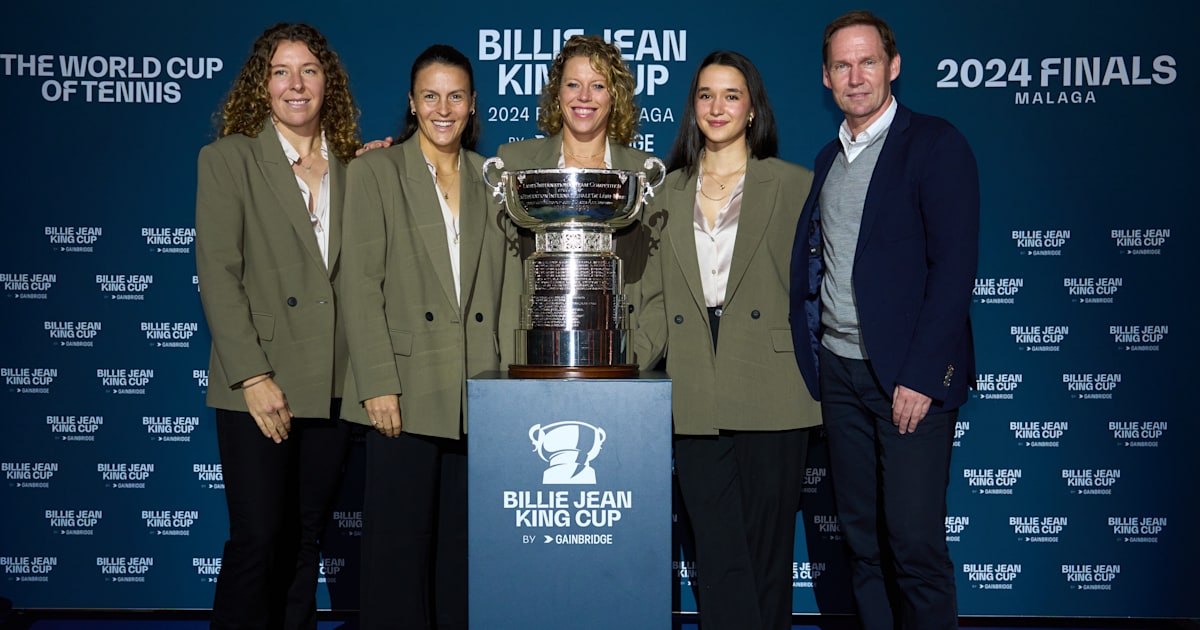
414,112
750,123
472,112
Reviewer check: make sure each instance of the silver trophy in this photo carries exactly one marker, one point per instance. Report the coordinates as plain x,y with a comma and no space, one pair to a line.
574,319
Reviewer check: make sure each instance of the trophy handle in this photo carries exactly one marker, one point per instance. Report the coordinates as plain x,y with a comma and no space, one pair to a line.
652,164
489,164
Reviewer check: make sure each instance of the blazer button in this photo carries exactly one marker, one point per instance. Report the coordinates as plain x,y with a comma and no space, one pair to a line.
478,317
755,314
291,301
428,316
630,308
679,319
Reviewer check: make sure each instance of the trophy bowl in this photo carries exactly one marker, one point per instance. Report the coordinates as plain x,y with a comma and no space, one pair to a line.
574,319
544,197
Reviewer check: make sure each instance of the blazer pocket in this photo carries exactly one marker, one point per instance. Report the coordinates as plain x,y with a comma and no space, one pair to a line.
402,342
781,340
264,323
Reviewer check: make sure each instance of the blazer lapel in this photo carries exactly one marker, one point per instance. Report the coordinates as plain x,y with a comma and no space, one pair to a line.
758,204
894,145
824,163
682,204
337,186
551,150
626,159
472,222
427,212
279,176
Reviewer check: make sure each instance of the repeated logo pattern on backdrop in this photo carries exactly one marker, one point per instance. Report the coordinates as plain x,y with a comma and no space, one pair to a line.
1073,484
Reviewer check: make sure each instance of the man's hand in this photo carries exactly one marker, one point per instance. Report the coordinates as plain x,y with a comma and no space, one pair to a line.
908,408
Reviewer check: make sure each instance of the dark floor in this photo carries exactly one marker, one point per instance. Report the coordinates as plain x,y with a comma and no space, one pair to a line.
196,620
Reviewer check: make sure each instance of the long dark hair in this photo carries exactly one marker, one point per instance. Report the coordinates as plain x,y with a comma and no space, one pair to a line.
762,139
448,56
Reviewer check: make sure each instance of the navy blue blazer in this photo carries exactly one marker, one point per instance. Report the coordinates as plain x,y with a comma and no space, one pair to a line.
914,267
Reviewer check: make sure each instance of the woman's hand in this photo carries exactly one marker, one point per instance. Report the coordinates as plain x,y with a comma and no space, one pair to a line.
384,412
374,144
268,406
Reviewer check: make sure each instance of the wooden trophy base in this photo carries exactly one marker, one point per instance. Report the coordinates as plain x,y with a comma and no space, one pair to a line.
572,371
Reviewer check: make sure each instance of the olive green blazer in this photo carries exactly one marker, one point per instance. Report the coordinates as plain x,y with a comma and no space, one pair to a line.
408,334
751,382
267,294
631,243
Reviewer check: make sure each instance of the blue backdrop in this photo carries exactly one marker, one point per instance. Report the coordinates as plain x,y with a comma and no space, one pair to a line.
1074,485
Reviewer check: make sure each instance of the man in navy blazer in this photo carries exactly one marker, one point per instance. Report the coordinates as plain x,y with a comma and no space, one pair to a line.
887,246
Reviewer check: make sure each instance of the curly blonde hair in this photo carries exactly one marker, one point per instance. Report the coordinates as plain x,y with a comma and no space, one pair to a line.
248,103
605,59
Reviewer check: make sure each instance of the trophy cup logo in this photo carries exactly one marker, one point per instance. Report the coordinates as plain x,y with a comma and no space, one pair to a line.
574,320
569,448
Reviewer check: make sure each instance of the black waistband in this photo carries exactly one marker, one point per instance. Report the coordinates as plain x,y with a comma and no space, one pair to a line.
714,320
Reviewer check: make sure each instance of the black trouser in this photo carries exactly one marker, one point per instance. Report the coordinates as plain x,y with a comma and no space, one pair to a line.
741,490
279,498
414,545
890,491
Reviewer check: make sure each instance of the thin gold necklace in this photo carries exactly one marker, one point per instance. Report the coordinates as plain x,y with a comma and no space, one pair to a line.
437,176
581,158
718,181
311,152
308,169
437,180
300,160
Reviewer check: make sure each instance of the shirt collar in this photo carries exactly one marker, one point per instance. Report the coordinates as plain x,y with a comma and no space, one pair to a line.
293,156
871,134
433,169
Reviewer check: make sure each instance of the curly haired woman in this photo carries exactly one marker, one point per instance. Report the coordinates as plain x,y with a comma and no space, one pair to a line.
268,220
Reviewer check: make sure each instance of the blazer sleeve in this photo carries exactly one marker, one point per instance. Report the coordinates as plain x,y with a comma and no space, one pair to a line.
220,268
650,338
949,201
504,152
806,269
512,285
364,267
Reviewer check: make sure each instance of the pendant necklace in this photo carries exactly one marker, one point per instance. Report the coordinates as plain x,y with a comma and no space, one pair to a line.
714,178
445,190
